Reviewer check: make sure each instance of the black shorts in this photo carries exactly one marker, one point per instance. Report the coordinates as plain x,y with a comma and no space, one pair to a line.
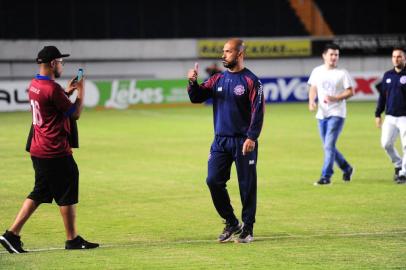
55,178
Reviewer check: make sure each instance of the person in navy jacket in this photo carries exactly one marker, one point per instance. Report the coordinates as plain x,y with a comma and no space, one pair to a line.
238,112
392,100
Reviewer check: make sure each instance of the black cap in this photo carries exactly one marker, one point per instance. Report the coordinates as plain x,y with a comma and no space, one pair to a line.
49,53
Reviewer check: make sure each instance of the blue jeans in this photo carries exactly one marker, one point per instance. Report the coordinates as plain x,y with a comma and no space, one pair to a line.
330,128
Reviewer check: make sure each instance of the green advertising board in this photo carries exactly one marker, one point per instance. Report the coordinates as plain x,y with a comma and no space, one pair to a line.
121,94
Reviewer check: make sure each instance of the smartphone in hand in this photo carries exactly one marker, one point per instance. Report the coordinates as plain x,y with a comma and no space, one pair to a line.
79,75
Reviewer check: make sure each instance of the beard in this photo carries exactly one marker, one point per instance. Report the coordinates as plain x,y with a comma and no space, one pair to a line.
231,64
57,74
400,66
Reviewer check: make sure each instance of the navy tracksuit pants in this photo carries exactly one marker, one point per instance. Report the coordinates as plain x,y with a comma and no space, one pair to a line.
223,152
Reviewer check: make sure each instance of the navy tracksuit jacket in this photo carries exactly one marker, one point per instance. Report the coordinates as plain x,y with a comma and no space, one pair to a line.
392,95
238,112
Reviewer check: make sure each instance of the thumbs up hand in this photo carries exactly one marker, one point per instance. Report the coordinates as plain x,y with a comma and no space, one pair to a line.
193,73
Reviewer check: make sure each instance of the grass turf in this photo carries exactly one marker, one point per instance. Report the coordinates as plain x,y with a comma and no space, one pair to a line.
143,195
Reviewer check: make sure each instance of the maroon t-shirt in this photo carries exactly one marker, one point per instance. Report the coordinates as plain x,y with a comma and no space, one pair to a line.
49,104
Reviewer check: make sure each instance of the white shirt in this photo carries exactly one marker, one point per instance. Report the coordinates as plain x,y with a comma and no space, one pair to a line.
330,82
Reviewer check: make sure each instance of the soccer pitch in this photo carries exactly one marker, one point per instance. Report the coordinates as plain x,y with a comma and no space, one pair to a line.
143,195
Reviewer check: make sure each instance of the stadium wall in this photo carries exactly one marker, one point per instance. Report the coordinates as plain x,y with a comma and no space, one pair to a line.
161,59
126,73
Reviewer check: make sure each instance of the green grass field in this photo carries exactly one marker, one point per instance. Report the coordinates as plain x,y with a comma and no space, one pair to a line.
143,195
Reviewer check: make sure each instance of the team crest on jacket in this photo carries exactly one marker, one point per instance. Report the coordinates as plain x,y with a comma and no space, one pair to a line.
403,80
239,90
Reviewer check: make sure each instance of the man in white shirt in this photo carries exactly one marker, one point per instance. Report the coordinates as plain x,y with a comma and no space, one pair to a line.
332,86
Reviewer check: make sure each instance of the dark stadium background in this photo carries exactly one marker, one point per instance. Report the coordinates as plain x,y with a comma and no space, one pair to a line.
145,19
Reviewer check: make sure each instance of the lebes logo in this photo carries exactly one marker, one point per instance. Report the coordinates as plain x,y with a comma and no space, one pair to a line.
124,95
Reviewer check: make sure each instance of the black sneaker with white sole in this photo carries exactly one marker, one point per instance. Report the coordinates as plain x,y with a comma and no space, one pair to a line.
79,243
245,237
12,242
228,232
322,182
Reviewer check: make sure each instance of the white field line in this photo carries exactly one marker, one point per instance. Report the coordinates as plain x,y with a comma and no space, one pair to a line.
163,114
152,243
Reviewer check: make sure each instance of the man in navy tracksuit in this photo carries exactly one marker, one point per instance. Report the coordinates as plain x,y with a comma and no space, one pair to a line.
238,111
392,100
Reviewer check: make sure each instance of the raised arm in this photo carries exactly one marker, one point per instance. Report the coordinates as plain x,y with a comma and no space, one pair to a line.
200,93
79,99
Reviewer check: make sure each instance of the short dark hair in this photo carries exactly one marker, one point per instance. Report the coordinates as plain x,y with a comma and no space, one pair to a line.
332,46
398,48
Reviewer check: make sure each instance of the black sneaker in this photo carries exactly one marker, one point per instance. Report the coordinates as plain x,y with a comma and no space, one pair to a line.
396,175
245,237
401,179
79,243
322,181
228,232
347,175
12,242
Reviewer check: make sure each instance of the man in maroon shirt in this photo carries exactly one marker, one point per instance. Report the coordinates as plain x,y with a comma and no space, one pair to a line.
56,172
